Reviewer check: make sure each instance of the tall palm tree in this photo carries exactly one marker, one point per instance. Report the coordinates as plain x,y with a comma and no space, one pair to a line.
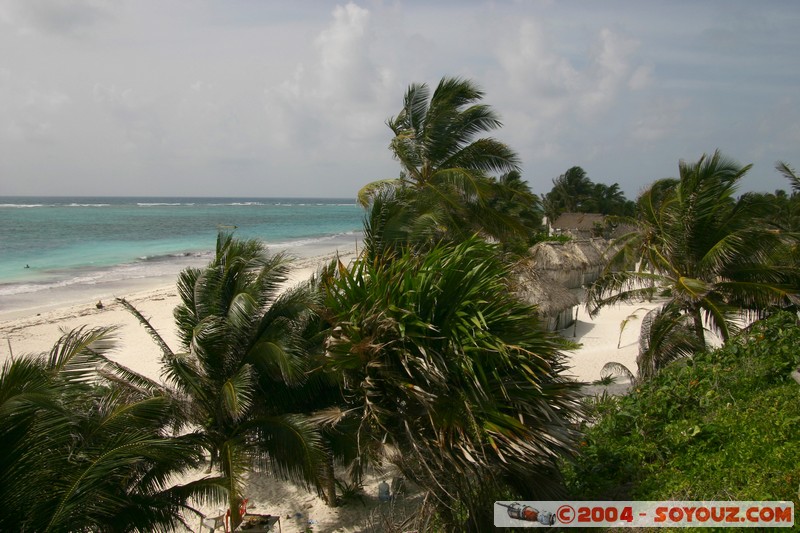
710,255
87,445
570,190
444,167
242,352
448,376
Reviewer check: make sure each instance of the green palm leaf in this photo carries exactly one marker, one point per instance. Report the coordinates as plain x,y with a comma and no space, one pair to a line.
245,352
444,189
711,255
440,361
83,451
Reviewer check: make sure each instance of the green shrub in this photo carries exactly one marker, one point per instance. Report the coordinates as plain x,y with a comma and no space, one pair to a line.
723,425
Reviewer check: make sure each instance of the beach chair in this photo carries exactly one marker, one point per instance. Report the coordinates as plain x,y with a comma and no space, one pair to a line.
222,520
212,523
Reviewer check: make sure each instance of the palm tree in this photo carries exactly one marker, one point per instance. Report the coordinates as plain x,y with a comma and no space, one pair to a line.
87,447
790,174
709,255
516,201
575,192
786,214
610,200
444,170
448,376
570,190
242,354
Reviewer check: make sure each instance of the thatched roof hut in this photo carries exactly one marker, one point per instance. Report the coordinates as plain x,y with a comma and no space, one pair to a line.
573,264
592,256
608,250
552,256
554,302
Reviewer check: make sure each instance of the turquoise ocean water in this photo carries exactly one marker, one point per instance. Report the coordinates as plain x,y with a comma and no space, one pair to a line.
52,245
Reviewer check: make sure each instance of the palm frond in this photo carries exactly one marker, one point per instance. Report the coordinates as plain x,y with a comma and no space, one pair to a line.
704,251
159,340
439,360
237,394
71,356
618,368
790,174
667,335
485,155
368,192
612,288
292,444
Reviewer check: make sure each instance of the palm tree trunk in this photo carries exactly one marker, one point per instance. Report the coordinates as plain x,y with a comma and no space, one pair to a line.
329,482
234,501
228,469
698,325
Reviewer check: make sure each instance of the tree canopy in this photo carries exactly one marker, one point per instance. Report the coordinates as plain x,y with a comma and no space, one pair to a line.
87,445
441,363
446,189
575,192
711,256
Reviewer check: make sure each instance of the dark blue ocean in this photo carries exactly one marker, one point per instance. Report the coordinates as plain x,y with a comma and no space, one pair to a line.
50,243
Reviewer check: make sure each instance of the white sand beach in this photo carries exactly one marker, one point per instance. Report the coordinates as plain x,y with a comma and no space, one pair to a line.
37,330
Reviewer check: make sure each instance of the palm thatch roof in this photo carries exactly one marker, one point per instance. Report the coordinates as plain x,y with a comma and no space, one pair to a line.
573,264
592,256
572,255
535,289
553,256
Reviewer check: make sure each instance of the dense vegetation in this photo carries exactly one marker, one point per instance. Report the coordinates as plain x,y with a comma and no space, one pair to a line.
574,192
445,190
418,354
450,379
88,446
438,362
710,256
722,425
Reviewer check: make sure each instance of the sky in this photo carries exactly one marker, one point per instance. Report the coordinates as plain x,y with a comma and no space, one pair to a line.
289,98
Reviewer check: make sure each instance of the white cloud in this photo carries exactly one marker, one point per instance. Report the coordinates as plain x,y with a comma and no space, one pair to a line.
567,101
535,69
607,73
135,119
29,111
342,61
290,98
552,80
50,99
339,95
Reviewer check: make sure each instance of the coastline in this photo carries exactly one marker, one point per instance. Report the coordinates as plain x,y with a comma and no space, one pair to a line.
66,250
18,300
36,328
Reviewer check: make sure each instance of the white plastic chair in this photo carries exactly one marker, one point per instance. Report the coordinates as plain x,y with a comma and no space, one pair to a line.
212,522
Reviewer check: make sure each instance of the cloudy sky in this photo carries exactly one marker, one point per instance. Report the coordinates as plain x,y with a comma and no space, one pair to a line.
290,97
